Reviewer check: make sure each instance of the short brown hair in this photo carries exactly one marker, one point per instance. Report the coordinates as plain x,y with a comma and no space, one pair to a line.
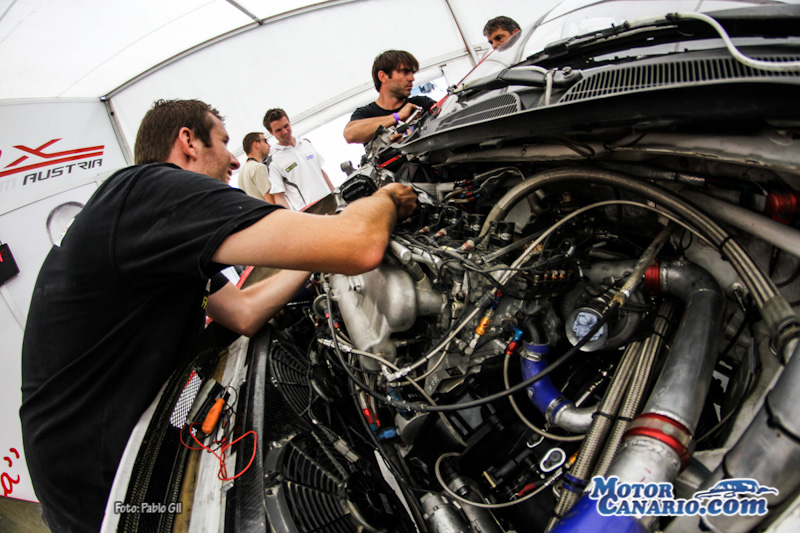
249,139
276,113
389,61
500,23
160,126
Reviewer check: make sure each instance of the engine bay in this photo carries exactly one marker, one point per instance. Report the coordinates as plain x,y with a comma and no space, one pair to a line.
533,326
597,296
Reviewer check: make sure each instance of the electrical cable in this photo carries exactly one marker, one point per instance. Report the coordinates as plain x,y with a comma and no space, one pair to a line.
781,320
533,379
751,381
472,266
222,475
791,279
616,302
416,386
375,443
722,421
475,403
432,369
509,248
446,341
366,388
735,338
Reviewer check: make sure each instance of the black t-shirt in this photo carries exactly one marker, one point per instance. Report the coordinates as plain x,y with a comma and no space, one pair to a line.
374,110
114,309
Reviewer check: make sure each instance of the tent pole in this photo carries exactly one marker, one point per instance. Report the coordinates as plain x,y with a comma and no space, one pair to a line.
456,19
123,142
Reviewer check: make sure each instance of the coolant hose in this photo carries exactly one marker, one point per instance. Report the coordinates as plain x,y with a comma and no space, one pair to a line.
585,517
544,395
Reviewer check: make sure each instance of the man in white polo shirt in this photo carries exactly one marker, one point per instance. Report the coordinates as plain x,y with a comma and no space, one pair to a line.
295,167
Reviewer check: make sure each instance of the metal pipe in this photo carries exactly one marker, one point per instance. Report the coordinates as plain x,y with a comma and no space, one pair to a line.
575,419
670,416
545,396
681,390
700,292
557,409
781,235
649,255
600,426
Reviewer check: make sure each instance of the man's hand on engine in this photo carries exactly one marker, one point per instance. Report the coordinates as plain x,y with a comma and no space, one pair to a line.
404,198
407,111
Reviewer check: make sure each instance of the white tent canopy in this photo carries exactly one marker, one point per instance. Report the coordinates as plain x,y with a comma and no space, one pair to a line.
242,56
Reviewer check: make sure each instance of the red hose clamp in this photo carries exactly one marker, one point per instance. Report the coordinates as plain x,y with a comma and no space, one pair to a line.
652,279
666,430
781,206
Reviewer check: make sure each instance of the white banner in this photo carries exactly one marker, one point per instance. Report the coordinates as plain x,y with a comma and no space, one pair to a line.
52,157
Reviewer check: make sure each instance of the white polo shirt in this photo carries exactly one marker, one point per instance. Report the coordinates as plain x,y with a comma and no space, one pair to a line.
297,171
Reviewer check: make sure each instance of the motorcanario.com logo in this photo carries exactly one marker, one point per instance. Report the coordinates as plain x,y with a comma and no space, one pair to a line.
741,496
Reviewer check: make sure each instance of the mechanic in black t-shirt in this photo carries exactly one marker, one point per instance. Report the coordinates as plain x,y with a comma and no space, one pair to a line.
122,298
393,75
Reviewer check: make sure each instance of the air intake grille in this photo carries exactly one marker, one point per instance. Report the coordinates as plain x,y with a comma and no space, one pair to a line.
640,77
505,104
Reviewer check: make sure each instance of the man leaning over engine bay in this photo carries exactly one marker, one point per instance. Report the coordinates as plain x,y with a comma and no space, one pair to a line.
118,303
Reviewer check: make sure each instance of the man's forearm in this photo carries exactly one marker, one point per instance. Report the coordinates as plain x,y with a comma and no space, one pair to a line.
246,311
350,243
361,131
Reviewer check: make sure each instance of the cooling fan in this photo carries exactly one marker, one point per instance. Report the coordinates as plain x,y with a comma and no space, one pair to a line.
310,389
311,487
